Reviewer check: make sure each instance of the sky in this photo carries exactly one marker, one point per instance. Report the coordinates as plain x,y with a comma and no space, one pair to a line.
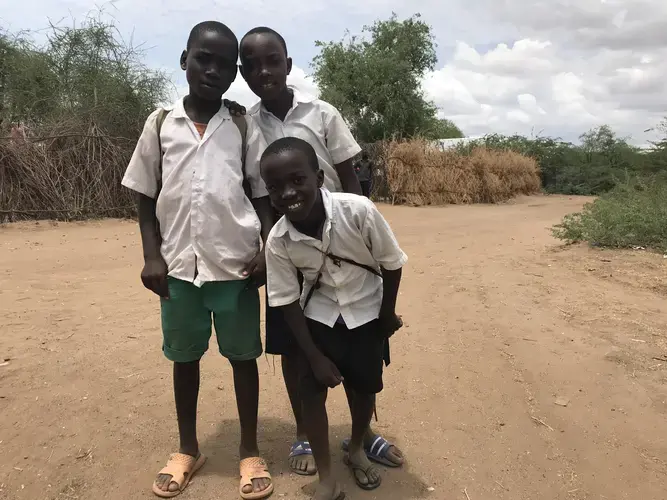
533,67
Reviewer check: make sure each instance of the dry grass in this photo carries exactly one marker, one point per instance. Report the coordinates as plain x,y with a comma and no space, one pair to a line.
71,175
420,174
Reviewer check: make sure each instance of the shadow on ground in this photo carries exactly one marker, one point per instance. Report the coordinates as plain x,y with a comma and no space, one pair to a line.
274,441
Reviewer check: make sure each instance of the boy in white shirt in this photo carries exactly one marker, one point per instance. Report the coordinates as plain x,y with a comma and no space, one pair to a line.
282,112
201,241
351,264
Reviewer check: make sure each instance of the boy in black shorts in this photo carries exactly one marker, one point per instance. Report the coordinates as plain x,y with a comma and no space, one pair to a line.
351,264
286,111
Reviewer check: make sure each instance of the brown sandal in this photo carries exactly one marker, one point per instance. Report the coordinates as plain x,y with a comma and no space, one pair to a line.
181,468
254,468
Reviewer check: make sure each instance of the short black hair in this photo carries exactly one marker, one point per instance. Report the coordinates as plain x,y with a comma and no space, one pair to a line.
208,26
293,144
267,31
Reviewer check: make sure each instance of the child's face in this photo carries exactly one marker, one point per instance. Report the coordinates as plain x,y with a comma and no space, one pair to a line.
265,65
210,65
292,183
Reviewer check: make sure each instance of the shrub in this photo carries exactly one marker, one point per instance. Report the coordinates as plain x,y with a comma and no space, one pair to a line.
632,214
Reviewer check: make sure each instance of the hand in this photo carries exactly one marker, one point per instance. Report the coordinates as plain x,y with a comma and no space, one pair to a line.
154,277
256,269
390,324
326,372
234,107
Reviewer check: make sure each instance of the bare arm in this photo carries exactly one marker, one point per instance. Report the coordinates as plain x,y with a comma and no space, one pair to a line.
348,177
391,280
266,215
154,273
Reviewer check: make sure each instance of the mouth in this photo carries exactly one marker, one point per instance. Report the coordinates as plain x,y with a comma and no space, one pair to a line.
210,86
294,207
268,85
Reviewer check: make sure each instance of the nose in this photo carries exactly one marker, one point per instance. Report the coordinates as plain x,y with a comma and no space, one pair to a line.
263,71
288,193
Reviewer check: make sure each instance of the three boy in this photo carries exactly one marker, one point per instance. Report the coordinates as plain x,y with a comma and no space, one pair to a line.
200,234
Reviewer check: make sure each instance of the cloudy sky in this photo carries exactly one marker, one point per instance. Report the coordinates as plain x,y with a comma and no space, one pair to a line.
548,67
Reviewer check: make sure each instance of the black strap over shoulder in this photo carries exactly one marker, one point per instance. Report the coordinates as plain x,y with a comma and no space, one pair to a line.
337,261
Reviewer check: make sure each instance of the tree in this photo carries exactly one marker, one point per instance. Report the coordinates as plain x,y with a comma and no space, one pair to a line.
83,75
445,129
375,80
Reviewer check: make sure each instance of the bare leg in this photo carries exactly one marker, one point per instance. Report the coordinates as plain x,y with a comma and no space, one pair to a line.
290,364
362,411
317,426
246,385
186,393
393,453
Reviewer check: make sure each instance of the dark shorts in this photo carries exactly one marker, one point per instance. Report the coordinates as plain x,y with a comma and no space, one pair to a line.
358,354
279,338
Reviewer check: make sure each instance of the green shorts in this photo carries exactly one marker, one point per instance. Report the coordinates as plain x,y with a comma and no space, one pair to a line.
232,306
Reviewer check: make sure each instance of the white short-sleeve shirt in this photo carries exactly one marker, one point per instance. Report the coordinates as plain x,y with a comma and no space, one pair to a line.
354,229
209,228
316,122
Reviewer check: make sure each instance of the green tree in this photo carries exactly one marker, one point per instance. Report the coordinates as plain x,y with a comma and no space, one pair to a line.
83,75
375,80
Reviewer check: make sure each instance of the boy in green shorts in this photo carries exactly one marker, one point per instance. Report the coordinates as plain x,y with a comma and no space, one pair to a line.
201,240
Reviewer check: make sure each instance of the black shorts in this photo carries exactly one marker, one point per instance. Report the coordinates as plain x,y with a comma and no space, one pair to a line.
358,354
279,338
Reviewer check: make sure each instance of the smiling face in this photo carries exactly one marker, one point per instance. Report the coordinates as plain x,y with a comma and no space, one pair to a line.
210,65
293,184
265,65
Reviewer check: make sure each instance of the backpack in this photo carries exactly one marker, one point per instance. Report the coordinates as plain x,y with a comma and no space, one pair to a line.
240,123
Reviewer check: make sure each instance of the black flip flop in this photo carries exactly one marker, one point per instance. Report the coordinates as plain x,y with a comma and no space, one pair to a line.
354,468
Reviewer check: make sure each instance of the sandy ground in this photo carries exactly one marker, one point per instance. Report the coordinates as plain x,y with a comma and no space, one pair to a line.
504,326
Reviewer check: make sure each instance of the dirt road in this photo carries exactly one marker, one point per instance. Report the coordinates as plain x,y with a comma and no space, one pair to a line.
526,370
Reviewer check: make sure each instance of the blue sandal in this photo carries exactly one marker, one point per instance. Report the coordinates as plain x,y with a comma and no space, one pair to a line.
377,451
300,448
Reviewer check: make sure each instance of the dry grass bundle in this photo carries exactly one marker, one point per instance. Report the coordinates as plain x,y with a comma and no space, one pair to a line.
68,176
420,174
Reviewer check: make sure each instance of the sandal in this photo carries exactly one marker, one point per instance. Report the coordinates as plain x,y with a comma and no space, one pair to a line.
377,451
181,468
254,468
298,449
354,468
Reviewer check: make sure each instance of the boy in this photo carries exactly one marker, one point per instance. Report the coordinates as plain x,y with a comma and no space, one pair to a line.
351,264
284,111
364,169
200,236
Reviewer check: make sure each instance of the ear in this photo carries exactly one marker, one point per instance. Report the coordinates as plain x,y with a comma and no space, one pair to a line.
320,178
184,57
289,65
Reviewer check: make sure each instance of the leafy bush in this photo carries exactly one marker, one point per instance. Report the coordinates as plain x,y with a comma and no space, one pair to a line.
595,166
632,214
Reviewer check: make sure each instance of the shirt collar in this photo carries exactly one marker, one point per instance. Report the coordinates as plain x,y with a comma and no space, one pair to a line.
299,98
294,235
177,110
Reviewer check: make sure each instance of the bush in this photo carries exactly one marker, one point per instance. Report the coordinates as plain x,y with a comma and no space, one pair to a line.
420,174
70,114
632,214
595,166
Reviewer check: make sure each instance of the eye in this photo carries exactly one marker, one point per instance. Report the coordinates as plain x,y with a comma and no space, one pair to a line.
298,181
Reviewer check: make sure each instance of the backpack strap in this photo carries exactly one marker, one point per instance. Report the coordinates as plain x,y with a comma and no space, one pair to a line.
242,124
161,115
